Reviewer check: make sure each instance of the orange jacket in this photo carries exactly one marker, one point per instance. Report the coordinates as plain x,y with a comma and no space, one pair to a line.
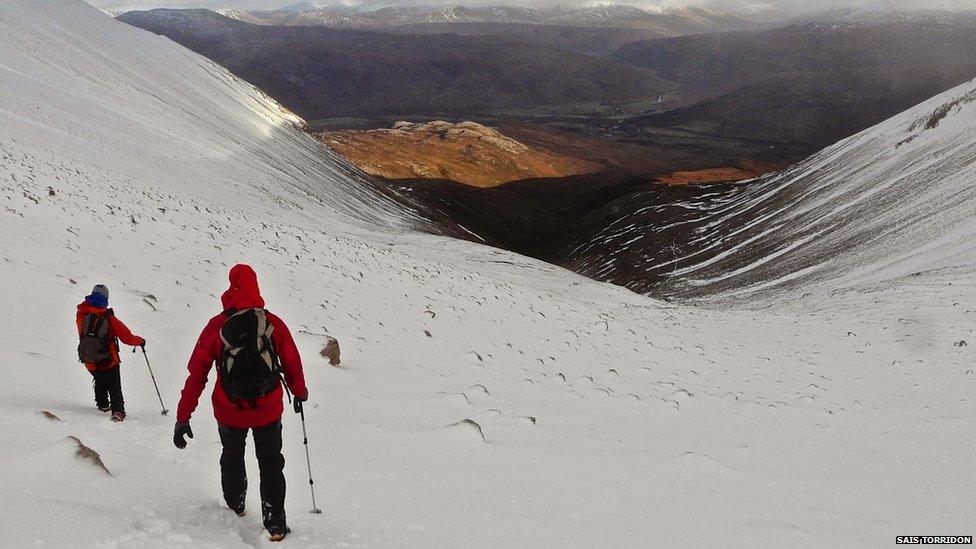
116,330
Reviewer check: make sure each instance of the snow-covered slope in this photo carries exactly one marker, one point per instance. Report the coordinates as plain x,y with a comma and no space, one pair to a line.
892,201
606,419
889,202
120,100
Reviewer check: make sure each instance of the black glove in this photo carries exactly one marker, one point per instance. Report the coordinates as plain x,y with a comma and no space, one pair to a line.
179,432
297,402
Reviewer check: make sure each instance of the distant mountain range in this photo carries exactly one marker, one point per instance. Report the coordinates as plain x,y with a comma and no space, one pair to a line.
722,98
597,30
321,72
879,16
664,22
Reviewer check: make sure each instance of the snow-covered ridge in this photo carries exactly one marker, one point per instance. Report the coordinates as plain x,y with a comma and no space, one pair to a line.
120,98
891,201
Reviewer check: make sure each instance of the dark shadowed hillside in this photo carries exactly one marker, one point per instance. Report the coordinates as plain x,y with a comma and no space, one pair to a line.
596,30
807,84
321,72
584,40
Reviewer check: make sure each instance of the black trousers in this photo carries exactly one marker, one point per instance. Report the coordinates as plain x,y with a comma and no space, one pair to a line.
108,388
233,477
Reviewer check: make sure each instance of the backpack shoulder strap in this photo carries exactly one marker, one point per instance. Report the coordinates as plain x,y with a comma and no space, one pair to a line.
93,323
86,325
275,360
269,326
108,314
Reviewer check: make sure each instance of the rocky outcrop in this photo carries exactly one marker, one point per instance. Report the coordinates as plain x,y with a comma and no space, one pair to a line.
466,152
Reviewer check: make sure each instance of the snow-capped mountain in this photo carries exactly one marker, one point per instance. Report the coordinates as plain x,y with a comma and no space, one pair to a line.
875,15
484,399
665,21
675,19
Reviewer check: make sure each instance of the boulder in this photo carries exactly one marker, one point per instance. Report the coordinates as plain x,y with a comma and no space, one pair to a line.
331,351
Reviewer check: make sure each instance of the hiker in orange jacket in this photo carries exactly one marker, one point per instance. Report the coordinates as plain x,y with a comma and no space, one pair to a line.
99,332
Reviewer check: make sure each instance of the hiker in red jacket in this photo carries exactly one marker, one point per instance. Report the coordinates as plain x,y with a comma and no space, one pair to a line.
100,331
252,349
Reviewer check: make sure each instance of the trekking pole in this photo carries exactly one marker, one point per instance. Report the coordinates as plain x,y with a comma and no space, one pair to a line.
308,460
161,405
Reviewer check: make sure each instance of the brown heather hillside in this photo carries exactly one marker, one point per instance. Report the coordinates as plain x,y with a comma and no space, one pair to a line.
466,152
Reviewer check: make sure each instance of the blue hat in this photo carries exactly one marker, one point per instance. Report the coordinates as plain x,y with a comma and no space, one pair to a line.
101,289
98,297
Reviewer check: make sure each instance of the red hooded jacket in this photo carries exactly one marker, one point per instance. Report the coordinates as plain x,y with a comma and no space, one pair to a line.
116,329
242,294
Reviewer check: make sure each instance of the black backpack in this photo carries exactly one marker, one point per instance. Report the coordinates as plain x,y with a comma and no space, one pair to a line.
249,367
93,347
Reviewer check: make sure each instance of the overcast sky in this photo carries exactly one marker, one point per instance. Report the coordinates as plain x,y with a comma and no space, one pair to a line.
788,5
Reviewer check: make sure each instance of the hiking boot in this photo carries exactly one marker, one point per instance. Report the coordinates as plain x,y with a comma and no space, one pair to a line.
104,407
118,416
278,534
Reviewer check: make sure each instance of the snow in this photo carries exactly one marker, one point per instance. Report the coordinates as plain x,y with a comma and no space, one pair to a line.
894,200
869,207
833,416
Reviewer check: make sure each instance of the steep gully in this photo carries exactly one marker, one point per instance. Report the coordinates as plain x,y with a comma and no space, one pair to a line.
569,221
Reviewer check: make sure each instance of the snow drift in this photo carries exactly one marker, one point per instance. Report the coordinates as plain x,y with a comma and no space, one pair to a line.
483,399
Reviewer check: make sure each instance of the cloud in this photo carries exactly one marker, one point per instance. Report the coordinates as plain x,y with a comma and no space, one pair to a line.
818,5
795,6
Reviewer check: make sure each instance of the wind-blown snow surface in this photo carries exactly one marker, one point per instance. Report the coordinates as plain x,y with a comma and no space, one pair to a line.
894,200
606,418
119,100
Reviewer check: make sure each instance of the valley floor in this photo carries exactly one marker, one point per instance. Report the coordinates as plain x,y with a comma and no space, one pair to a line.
607,419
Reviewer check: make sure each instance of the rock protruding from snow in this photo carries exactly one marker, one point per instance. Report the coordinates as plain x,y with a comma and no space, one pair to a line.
50,415
331,351
88,455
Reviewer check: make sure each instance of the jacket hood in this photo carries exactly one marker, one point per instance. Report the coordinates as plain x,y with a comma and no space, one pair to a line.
243,292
